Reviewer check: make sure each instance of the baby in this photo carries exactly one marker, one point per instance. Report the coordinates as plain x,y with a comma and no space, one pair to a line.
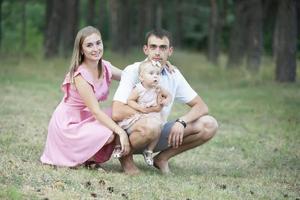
145,94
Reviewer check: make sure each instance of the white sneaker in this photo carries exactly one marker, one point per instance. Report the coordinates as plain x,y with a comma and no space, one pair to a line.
148,156
117,152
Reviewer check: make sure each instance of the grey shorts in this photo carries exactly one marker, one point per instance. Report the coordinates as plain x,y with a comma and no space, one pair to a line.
163,140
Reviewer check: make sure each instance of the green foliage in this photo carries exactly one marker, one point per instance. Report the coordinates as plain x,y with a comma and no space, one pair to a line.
195,24
11,41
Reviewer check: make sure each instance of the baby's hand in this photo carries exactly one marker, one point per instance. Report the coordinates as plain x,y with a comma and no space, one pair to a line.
165,101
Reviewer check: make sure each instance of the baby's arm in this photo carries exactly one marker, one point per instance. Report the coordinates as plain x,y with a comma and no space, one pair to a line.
132,101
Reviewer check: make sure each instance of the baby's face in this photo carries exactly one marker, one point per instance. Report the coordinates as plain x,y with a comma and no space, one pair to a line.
150,76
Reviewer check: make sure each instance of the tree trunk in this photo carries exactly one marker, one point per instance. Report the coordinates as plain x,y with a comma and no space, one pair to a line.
254,35
114,35
124,27
90,20
158,24
23,25
71,26
237,35
101,15
49,7
1,24
286,25
214,33
52,37
298,20
142,9
150,17
179,23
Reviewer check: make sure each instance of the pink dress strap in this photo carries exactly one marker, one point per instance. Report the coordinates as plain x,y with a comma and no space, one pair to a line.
107,67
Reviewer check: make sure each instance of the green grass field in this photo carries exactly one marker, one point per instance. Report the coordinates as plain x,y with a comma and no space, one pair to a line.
255,154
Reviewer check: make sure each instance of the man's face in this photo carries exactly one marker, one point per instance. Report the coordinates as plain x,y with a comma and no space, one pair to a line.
158,49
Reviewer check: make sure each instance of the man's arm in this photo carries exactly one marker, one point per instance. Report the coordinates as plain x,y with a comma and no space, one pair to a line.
198,109
121,111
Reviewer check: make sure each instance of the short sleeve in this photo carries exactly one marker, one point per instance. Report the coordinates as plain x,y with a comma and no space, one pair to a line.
184,92
67,82
128,80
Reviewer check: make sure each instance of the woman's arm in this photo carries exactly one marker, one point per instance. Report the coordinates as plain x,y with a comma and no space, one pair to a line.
116,73
86,93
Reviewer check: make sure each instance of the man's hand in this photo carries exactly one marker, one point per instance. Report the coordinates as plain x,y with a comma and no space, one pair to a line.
176,135
171,68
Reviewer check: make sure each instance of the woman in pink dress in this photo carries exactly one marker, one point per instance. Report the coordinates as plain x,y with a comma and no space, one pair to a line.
79,130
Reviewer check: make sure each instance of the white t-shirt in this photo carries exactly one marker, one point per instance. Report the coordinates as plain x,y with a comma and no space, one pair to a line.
174,83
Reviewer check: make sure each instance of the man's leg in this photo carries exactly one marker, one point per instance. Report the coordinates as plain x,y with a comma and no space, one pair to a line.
142,133
195,134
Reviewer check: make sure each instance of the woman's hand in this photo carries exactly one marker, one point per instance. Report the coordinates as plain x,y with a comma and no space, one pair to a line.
125,146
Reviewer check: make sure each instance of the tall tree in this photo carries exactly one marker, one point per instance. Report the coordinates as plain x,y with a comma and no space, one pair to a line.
102,8
124,27
23,24
52,36
114,35
70,25
179,23
286,39
1,24
158,13
90,17
141,21
254,35
214,33
238,35
150,14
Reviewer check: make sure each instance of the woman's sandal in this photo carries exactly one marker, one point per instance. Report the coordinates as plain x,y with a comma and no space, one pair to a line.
92,165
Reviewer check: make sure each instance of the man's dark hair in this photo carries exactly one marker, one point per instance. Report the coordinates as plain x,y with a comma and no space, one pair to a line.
160,33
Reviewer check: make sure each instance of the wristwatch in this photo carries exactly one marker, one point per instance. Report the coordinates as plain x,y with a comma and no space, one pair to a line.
181,122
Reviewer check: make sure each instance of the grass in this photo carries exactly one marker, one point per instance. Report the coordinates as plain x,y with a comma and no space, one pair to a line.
255,154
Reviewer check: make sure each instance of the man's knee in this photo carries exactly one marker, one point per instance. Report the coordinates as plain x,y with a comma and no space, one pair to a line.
207,127
148,130
210,126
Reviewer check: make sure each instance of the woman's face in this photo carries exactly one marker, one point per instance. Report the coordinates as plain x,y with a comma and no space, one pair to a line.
92,47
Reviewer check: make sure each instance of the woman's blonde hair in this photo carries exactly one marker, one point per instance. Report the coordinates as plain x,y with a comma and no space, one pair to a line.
77,56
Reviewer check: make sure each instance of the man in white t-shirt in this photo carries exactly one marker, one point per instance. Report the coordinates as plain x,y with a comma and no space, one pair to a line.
188,131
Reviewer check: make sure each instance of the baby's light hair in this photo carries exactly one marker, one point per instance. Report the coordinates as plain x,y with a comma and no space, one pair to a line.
145,63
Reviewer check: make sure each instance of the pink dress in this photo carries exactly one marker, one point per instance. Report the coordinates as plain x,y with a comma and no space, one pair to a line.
146,98
74,135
